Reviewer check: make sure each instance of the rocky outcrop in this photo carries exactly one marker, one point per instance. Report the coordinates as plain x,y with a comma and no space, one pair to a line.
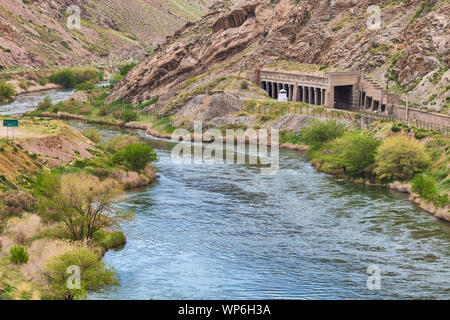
246,35
235,19
35,34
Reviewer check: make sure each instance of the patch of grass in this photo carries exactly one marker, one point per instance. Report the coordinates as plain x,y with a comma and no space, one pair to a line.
109,240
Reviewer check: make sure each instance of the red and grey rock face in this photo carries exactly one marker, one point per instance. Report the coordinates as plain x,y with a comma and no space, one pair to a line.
413,41
35,33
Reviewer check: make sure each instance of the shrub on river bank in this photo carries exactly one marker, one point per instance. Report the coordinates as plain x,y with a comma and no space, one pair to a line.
72,77
382,155
135,157
354,152
400,158
319,132
82,202
94,275
6,91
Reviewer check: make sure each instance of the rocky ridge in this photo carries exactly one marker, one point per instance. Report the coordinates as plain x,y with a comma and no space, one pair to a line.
411,47
35,34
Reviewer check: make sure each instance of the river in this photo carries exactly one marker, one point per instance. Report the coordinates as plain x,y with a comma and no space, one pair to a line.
228,232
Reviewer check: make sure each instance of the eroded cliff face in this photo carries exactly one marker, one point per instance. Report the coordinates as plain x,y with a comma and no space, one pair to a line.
34,33
412,45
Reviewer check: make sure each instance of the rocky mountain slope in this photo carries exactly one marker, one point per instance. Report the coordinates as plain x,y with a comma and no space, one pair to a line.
34,33
411,47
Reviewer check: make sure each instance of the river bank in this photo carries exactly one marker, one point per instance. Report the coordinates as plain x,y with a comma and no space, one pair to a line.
50,165
227,232
155,246
440,213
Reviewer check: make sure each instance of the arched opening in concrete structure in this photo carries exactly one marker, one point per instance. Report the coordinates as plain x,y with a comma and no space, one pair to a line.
376,104
369,102
343,97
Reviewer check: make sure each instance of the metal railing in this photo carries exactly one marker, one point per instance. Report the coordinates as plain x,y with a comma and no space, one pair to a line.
280,109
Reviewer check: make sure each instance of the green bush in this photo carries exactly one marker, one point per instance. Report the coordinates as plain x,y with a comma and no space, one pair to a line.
64,78
442,200
420,134
18,255
72,77
400,157
152,101
289,137
129,115
354,152
119,142
318,132
6,91
396,128
135,157
116,78
94,274
126,68
425,186
244,85
109,240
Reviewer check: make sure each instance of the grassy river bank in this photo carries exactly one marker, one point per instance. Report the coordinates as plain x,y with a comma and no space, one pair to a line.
58,189
386,153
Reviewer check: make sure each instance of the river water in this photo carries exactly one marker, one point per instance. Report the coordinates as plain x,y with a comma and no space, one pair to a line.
29,101
228,232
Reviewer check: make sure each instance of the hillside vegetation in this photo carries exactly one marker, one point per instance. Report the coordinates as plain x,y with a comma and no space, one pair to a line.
35,33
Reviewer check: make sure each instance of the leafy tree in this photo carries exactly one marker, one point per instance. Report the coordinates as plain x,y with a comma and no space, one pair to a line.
354,152
318,132
94,275
64,78
129,115
82,202
72,77
400,157
135,157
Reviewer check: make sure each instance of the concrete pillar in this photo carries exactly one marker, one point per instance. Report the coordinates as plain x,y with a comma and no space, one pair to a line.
291,92
295,90
372,105
316,96
363,100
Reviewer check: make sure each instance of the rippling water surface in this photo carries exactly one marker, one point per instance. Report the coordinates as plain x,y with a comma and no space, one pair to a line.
227,232
28,101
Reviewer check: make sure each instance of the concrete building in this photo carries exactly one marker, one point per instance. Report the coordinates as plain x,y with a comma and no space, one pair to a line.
339,90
